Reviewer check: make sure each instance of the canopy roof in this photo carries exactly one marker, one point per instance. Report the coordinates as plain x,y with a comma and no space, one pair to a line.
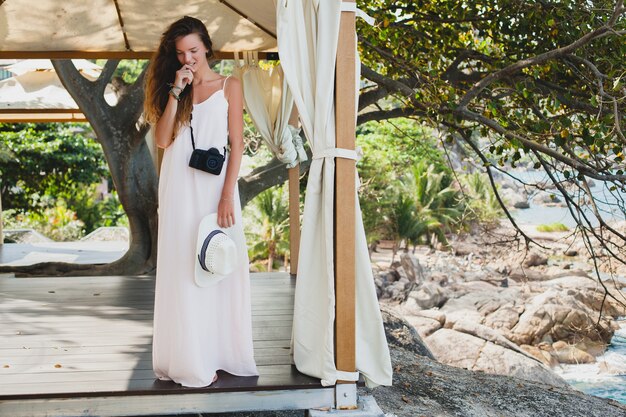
128,28
35,93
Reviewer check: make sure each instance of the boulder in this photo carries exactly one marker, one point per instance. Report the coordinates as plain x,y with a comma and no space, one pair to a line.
543,198
534,259
412,267
515,198
433,314
424,387
400,333
423,325
557,315
504,318
570,354
540,354
429,295
464,248
470,352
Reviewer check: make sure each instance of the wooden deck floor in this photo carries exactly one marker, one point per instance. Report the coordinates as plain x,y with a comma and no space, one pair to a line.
90,338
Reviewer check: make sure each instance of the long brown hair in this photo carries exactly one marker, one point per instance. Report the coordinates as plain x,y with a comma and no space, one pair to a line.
162,70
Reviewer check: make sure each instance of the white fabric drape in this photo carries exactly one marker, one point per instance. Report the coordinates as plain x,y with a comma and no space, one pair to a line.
269,102
307,42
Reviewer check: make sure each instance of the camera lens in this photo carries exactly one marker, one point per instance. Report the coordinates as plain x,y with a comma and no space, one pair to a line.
212,163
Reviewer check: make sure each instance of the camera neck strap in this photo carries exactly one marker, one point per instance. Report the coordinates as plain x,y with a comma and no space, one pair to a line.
193,143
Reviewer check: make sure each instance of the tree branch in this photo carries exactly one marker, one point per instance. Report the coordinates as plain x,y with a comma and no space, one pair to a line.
536,60
470,115
387,114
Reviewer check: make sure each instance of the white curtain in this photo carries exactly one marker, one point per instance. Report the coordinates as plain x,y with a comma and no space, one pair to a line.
307,42
269,102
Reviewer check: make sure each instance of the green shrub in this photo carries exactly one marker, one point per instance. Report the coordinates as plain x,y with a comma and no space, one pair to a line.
552,227
58,223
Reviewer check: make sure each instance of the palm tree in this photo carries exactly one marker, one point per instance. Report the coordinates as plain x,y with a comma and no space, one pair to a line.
270,235
481,199
436,202
404,223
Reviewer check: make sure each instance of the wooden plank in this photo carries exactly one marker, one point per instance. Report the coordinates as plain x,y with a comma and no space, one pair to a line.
40,364
41,329
93,351
345,195
172,404
144,381
113,339
72,386
15,328
109,55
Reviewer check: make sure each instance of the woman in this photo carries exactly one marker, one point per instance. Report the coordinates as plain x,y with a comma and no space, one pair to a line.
196,330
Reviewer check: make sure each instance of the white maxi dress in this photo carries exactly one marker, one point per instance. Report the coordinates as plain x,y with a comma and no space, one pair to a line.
198,331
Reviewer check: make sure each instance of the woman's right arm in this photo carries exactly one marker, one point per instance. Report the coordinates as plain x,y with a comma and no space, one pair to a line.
164,128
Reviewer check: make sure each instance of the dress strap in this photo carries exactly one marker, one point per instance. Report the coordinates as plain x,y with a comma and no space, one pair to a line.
224,85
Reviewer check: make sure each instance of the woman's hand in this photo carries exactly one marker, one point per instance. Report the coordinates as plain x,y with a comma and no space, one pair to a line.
184,77
226,212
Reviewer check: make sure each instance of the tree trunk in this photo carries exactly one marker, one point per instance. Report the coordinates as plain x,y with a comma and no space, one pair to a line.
271,254
123,141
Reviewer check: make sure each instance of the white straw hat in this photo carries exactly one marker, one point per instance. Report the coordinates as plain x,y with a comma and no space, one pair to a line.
216,252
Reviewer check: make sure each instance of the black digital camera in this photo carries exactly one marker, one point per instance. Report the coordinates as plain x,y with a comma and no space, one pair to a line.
210,161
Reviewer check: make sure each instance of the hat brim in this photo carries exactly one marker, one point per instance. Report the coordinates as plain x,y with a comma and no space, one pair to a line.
204,278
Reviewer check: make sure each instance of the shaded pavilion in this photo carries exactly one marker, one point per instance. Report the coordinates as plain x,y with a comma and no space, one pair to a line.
130,29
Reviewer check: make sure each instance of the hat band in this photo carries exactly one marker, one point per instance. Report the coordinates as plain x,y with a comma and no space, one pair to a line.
205,245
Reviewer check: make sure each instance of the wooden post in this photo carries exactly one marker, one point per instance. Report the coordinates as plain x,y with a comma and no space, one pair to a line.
1,233
294,206
345,193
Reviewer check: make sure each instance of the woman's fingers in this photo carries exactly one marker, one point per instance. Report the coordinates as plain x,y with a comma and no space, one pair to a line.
227,220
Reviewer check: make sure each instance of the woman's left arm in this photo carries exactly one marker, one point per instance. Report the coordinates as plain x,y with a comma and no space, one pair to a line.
226,208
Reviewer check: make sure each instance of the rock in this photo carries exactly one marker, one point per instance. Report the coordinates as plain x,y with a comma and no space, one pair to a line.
440,279
588,291
565,353
392,275
424,387
470,352
464,248
534,259
504,318
396,291
423,325
571,252
544,198
559,316
540,354
433,314
486,333
412,267
429,295
520,274
400,333
515,198
592,347
521,204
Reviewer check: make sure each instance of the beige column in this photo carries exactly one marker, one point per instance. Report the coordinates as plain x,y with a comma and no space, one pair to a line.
345,192
1,234
294,207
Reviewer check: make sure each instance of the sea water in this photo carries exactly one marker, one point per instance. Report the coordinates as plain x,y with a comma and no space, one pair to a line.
607,377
